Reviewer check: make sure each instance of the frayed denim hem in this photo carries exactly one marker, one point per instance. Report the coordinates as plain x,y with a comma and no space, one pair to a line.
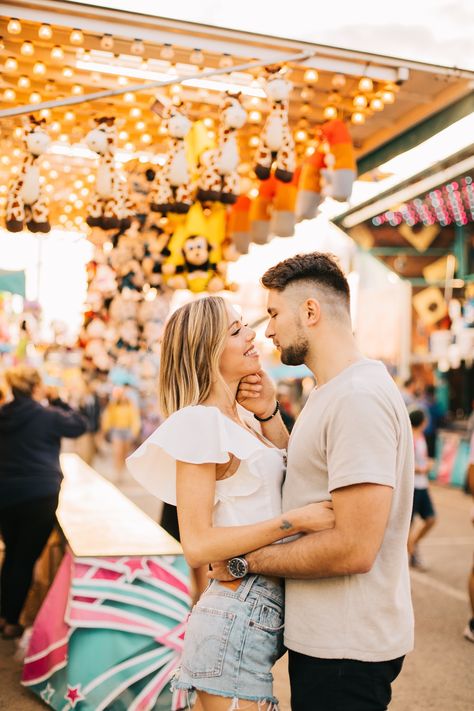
265,704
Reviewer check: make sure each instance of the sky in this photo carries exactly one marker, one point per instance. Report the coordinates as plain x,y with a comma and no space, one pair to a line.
436,31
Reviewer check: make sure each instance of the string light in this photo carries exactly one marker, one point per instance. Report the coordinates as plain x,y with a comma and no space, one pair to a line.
254,141
18,132
122,81
9,95
167,52
196,56
129,97
76,36
140,125
45,113
27,49
145,138
338,81
67,72
358,118
123,135
330,112
35,97
388,96
57,53
311,75
135,112
255,116
208,122
107,42
45,32
69,116
366,84
225,61
137,47
39,68
376,104
77,89
301,136
359,101
14,26
11,64
24,82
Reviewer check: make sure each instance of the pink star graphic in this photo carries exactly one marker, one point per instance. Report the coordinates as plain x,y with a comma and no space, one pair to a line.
74,695
134,567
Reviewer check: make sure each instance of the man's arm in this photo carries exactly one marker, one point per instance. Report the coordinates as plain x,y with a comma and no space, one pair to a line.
361,513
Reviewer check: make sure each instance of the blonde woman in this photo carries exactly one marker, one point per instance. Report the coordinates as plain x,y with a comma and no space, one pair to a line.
30,478
224,467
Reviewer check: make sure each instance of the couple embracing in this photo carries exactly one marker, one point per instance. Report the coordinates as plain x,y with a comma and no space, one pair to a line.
335,591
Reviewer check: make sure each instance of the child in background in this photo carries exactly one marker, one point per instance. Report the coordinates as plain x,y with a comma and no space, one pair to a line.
422,503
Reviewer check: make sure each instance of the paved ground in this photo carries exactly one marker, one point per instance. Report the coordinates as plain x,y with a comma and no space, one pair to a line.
437,676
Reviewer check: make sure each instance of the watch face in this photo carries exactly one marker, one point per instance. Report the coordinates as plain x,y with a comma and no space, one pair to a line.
237,567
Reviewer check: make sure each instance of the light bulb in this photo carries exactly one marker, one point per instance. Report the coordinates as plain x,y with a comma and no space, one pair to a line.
69,116
167,52
45,113
24,82
358,118
137,47
330,112
11,64
311,75
140,125
45,32
376,104
122,81
360,101
123,135
196,56
129,97
145,138
14,26
136,112
76,36
107,42
9,95
39,68
176,89
55,127
208,122
255,116
366,84
68,72
77,89
18,132
388,97
57,53
301,136
338,81
27,49
225,60
254,141
35,97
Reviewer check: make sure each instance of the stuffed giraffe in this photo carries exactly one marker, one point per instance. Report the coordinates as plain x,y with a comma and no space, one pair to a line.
218,179
276,141
26,201
110,206
172,189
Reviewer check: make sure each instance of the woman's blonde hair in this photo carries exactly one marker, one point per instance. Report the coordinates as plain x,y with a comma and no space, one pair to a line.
193,340
22,379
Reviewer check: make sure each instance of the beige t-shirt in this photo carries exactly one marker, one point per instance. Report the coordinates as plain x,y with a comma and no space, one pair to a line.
354,429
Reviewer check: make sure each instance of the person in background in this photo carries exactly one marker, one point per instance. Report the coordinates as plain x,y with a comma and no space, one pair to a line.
30,479
410,391
89,407
435,418
121,425
422,503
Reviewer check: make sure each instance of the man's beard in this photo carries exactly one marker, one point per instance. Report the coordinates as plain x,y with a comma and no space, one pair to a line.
296,353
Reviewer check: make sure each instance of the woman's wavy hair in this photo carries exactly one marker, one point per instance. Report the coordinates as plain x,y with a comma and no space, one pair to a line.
193,341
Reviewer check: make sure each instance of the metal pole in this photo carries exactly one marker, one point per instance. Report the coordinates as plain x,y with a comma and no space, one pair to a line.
72,100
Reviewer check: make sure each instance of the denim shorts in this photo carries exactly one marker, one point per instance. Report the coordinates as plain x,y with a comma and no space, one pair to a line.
232,640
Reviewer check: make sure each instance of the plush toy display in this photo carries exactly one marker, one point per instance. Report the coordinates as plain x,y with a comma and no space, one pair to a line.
172,188
238,224
110,206
276,141
156,251
26,201
197,273
218,178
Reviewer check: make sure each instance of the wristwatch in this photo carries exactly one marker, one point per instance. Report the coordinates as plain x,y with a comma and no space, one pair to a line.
237,567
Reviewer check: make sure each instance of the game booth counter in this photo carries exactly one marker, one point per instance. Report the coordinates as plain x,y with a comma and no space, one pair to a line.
110,631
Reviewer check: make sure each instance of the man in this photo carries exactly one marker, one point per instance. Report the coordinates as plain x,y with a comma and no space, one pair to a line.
348,614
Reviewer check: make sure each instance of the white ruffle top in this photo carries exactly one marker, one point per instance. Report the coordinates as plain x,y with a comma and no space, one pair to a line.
202,434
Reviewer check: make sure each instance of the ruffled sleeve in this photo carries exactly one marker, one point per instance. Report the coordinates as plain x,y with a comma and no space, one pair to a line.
197,434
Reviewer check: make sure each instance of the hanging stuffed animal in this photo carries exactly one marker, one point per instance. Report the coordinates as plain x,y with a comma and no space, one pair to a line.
110,206
156,251
172,189
276,141
218,179
197,273
26,201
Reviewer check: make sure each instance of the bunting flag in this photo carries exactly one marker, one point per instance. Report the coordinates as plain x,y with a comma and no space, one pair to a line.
110,635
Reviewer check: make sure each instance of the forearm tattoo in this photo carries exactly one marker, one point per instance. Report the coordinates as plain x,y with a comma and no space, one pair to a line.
286,525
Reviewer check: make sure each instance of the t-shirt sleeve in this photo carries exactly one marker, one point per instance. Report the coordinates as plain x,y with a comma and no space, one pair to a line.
361,441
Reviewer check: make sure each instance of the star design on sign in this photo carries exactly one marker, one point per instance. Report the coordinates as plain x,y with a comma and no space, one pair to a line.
134,566
47,693
74,695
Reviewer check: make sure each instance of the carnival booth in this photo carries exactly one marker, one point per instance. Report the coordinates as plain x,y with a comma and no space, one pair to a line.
172,148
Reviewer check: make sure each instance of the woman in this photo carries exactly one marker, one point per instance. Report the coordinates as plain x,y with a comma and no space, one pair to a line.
30,478
121,423
225,476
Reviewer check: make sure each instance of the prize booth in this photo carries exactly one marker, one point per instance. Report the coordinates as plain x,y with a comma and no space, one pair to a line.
174,149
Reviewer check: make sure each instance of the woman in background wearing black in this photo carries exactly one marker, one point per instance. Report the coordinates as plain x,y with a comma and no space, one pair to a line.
30,478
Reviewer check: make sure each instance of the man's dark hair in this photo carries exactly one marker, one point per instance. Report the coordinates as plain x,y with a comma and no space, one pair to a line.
417,417
318,267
